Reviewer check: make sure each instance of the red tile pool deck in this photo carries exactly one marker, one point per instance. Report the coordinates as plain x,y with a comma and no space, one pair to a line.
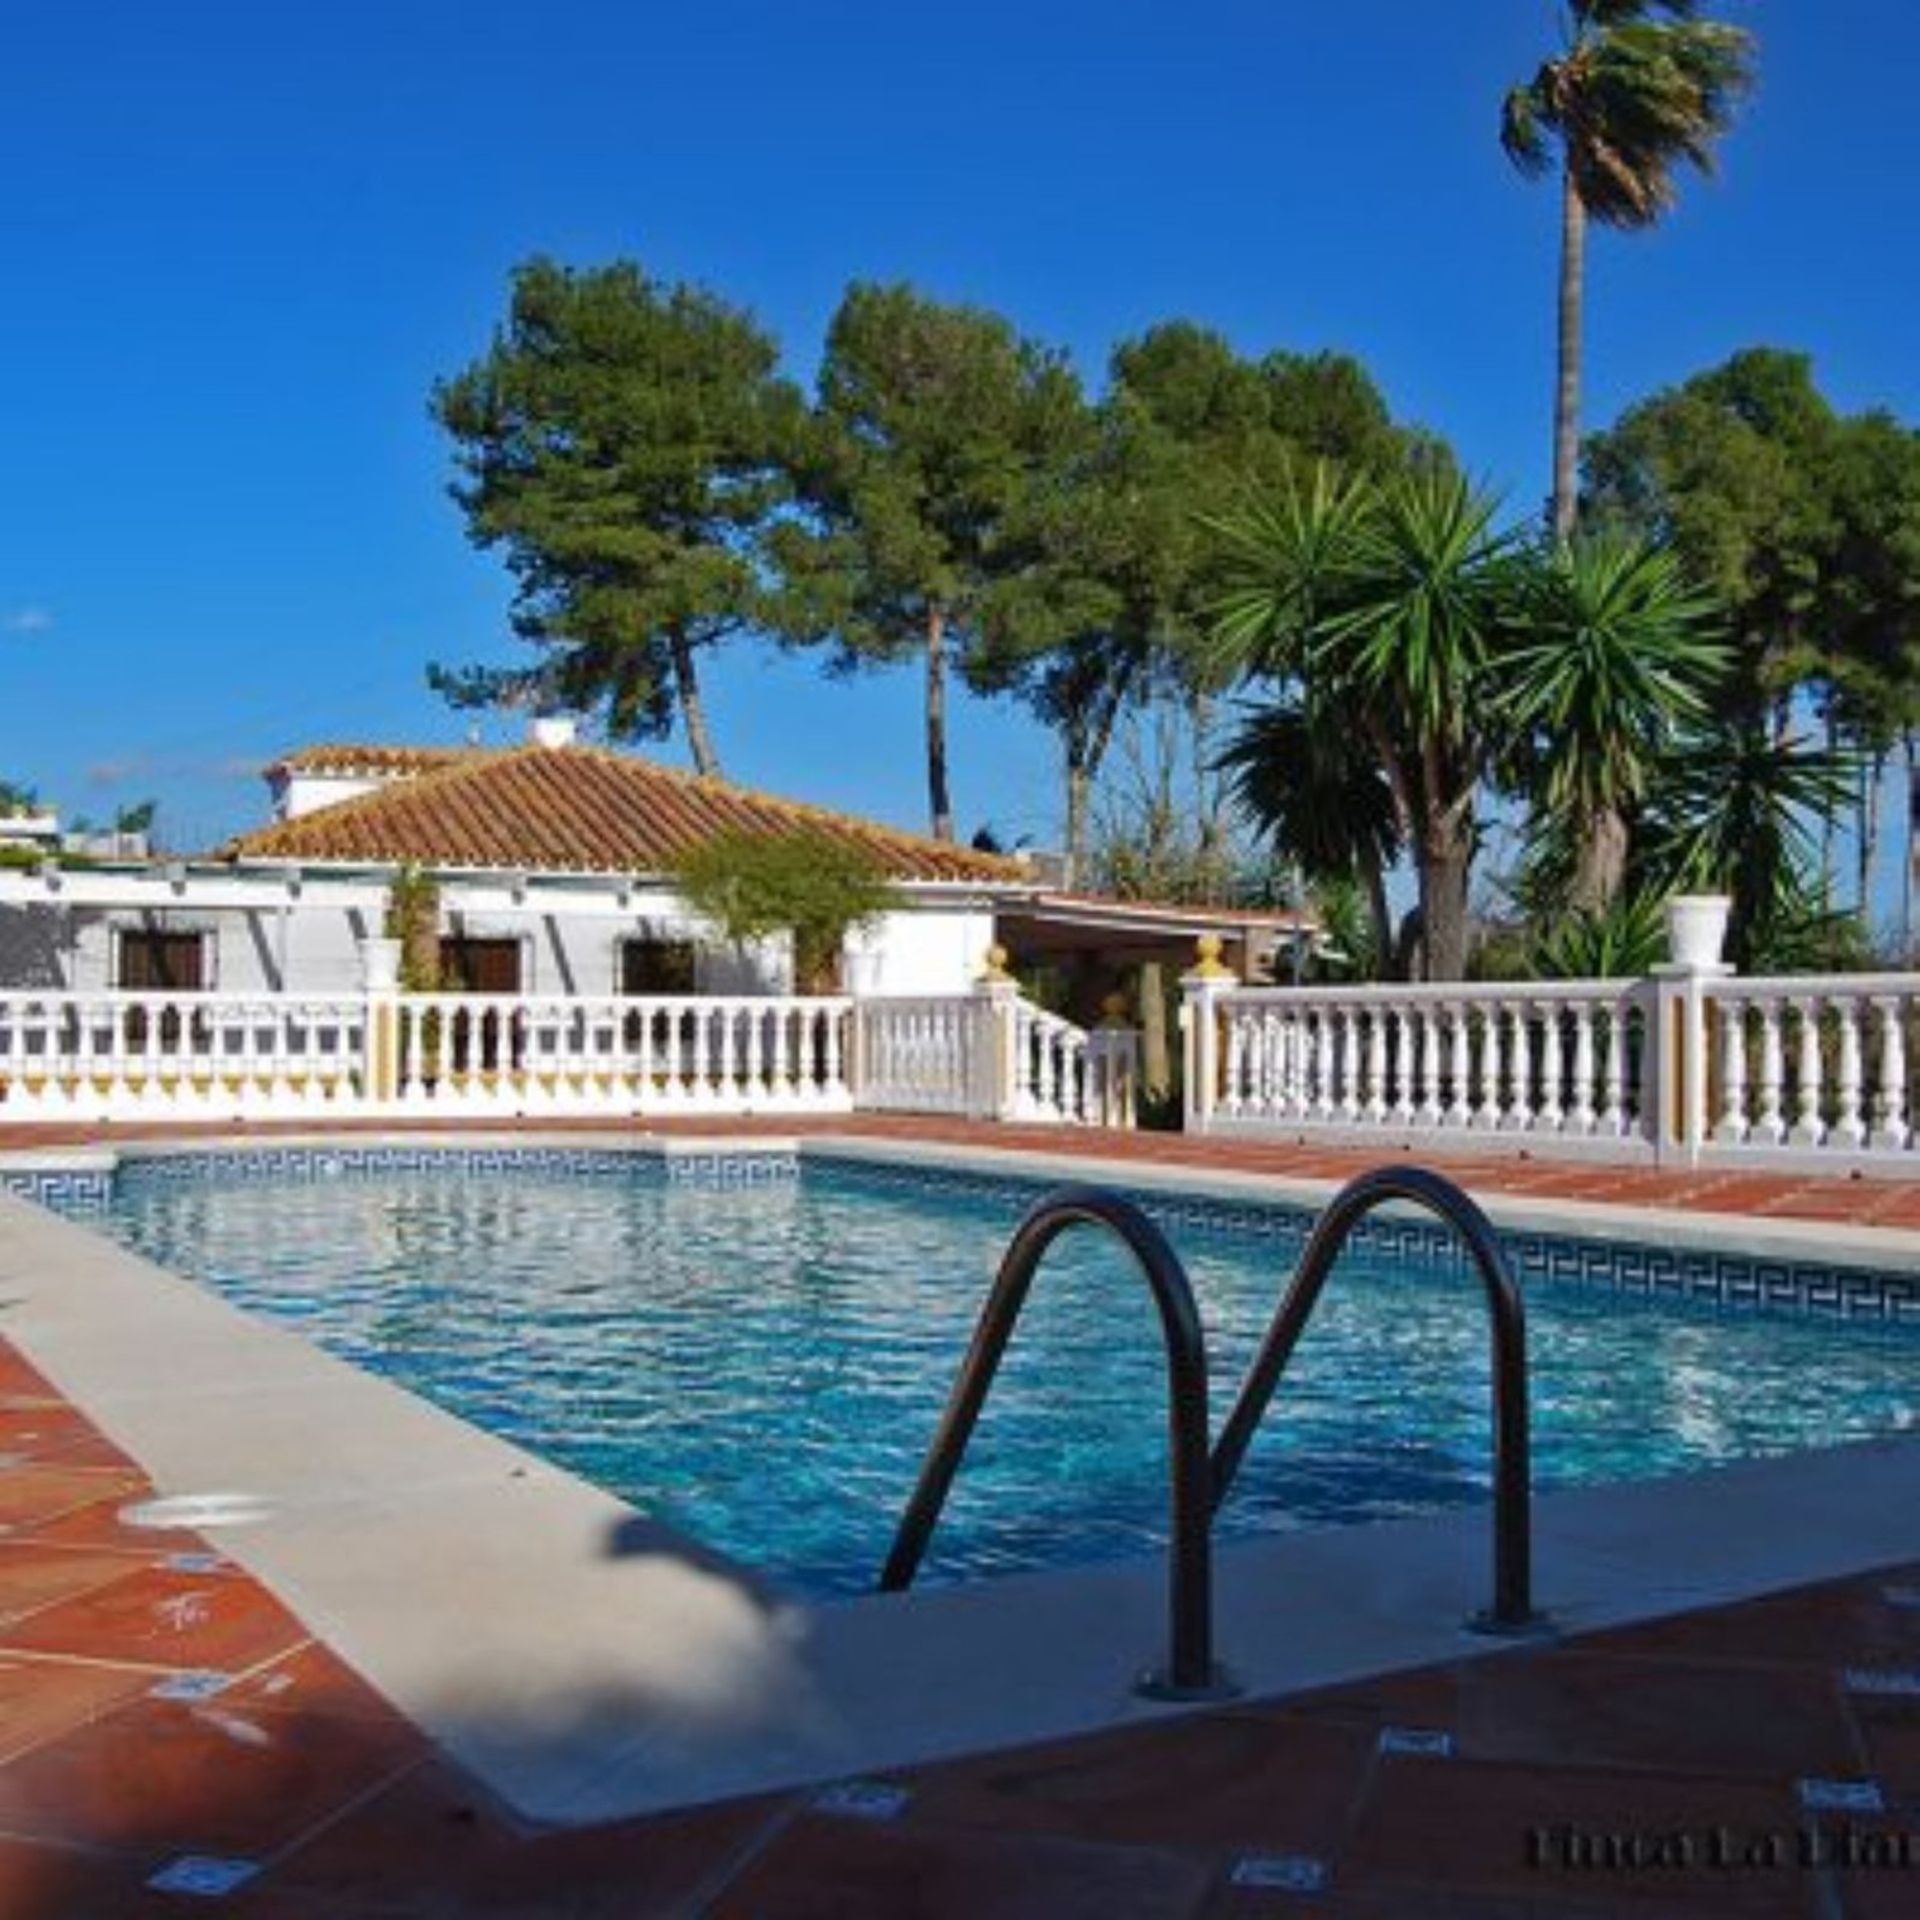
1650,1770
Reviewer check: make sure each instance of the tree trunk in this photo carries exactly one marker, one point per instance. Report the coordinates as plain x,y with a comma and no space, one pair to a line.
1445,855
1910,744
1829,819
1156,1063
940,803
1381,914
1079,787
1868,851
686,684
1601,869
1566,407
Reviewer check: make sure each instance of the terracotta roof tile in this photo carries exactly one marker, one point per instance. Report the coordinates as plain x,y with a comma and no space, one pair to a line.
574,809
349,759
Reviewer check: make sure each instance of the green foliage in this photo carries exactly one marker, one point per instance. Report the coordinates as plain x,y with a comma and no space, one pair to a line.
1382,602
1611,653
933,433
1625,940
1736,470
816,886
1639,88
624,443
413,918
15,798
1735,810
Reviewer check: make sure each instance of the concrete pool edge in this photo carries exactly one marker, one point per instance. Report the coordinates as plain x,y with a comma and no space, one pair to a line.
585,1666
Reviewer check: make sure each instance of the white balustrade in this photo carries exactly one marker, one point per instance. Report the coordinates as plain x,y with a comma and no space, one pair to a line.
188,1056
919,1054
572,1054
1813,1071
1557,1061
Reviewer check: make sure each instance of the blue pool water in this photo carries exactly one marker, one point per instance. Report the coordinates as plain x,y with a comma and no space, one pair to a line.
762,1365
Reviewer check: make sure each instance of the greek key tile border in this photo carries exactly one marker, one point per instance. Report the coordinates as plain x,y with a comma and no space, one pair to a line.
69,1191
1731,1279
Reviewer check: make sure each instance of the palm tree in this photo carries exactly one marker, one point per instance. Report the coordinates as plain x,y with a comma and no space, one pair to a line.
1304,776
1611,655
1383,600
1736,807
1637,88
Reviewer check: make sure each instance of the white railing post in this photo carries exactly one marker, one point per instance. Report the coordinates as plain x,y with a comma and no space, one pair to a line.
999,1067
1682,1054
380,1029
1205,989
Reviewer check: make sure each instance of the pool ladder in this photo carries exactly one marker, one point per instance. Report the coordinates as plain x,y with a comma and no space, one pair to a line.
1199,1478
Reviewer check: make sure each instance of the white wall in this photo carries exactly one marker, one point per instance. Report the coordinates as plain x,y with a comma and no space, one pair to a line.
270,938
937,948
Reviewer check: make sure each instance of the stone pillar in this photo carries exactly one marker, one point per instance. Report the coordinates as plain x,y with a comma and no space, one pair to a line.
1204,987
997,1090
380,977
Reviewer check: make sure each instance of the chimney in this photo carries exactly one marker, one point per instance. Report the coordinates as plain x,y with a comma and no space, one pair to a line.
551,730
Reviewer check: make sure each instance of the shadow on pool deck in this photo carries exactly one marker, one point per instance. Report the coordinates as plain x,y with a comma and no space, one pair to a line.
1623,1772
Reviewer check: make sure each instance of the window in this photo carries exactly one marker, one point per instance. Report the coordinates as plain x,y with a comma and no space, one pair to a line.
656,966
150,961
480,966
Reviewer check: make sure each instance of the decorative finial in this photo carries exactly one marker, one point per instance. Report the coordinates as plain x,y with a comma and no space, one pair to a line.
1208,964
996,964
1113,1010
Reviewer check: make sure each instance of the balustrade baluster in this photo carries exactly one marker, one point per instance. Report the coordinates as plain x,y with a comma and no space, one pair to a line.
1551,1110
1768,1124
1808,1127
1581,1116
1733,1125
1890,1129
1486,1113
1374,1111
1849,1128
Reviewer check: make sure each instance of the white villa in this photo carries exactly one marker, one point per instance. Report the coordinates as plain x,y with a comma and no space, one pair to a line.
551,863
261,979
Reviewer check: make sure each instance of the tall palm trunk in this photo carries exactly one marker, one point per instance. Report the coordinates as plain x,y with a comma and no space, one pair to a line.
1445,855
1566,405
1600,866
1380,917
939,801
693,710
1867,851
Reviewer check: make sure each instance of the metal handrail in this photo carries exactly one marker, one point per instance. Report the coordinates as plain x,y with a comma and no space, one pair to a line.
1189,1672
1512,1610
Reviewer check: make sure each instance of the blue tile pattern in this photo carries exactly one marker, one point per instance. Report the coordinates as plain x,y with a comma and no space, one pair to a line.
74,1190
1731,1278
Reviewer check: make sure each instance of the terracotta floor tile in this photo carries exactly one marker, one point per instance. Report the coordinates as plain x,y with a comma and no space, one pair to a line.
1484,1826
198,1778
30,1495
39,1882
20,1378
34,1576
1574,1709
41,1699
311,1679
1829,1627
832,1869
1261,1782
1419,1697
165,1619
98,1524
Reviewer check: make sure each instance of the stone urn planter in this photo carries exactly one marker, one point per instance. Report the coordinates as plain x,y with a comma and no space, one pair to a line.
1697,928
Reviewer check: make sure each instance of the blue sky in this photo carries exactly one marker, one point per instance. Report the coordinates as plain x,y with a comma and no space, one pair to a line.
243,240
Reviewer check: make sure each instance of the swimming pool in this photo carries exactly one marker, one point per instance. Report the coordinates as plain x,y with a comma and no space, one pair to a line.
761,1363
